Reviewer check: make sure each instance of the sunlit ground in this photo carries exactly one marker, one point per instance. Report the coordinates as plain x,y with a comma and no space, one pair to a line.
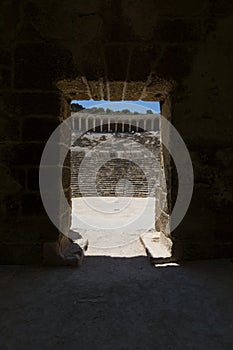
113,225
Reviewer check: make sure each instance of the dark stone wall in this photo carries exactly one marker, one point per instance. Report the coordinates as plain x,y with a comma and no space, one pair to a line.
116,49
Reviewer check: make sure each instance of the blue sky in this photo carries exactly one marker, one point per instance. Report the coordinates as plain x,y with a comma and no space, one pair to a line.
133,106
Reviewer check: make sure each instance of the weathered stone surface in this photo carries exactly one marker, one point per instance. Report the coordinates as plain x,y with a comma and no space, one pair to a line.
221,8
11,186
178,31
29,230
117,60
84,57
38,129
68,254
5,56
32,103
141,19
148,54
21,154
48,62
155,248
9,19
176,62
32,205
115,91
20,253
10,128
5,78
54,48
133,90
182,8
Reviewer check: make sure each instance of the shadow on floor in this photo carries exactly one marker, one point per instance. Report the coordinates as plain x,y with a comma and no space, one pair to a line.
117,303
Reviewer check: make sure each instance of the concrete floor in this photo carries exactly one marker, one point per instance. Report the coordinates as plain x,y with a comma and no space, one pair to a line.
116,303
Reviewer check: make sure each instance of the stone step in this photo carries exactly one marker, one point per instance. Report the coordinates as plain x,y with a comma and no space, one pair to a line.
157,251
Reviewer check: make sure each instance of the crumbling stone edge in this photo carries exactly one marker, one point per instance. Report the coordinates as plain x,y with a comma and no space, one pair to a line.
63,252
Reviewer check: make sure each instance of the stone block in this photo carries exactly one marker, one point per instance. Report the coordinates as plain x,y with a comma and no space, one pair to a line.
118,29
160,8
74,89
20,176
221,8
32,205
46,62
55,254
141,18
223,249
33,103
116,90
21,154
20,253
29,230
33,179
5,78
12,184
146,54
117,60
96,90
12,206
203,250
181,8
10,128
9,20
134,90
90,61
38,129
5,56
176,62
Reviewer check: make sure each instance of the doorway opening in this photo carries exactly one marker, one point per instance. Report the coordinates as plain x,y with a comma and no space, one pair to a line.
118,185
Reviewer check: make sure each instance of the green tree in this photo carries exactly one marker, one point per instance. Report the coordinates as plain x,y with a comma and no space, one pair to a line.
126,111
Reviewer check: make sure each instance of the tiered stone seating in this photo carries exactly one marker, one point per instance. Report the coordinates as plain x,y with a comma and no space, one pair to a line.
115,165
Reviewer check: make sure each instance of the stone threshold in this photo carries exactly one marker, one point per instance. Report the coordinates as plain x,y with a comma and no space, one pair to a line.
157,248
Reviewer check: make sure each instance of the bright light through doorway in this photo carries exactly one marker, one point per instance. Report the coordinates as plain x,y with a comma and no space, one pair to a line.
115,233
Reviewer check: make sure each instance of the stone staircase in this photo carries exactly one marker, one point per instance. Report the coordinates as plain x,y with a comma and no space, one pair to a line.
125,165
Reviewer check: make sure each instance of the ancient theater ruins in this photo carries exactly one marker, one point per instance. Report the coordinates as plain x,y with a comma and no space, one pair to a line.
116,178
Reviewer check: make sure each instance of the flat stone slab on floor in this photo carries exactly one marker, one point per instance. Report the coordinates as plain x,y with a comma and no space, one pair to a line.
152,243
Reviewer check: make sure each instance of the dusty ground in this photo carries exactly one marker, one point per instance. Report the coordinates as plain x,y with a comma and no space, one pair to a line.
112,225
116,303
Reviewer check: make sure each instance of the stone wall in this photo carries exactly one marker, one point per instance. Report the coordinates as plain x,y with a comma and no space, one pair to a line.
52,52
